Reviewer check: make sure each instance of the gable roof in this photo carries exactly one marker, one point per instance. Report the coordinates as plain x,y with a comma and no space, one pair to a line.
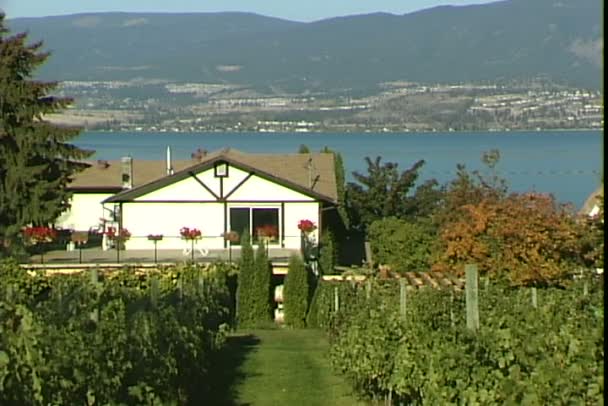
106,175
289,170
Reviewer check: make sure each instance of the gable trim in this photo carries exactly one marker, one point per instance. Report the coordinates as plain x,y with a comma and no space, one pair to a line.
207,188
139,191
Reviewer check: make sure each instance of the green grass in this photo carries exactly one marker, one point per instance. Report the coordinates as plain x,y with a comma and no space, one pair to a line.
280,367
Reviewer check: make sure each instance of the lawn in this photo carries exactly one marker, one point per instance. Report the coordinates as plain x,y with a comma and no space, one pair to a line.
280,367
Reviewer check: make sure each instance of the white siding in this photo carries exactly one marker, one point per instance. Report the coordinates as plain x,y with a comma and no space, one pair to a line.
235,176
209,179
142,219
258,189
85,212
294,212
184,190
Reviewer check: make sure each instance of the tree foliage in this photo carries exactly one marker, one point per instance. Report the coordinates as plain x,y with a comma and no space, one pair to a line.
385,191
525,238
403,245
296,292
36,160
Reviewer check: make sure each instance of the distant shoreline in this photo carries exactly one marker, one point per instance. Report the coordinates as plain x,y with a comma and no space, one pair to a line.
270,133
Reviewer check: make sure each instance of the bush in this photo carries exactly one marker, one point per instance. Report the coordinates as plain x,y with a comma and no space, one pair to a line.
262,294
246,281
295,293
402,245
327,255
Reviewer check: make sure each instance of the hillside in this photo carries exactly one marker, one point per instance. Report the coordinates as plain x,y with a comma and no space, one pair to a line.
558,40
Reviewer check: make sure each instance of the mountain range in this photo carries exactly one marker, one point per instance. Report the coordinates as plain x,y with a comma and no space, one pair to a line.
513,40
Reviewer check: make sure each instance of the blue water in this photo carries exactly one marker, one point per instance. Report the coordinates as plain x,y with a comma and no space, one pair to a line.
567,164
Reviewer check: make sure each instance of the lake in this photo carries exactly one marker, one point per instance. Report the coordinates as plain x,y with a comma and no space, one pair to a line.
568,164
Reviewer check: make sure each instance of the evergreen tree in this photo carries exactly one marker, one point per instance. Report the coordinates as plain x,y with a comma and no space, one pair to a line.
263,285
245,311
295,293
36,160
328,254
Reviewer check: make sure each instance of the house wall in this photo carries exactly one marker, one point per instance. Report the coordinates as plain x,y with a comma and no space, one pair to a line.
143,219
294,212
256,188
186,190
187,203
85,212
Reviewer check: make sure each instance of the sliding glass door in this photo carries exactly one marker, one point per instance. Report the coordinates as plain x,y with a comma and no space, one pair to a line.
258,222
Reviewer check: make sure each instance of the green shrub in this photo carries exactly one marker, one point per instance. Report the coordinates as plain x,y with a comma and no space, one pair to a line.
245,311
262,294
295,293
403,245
327,255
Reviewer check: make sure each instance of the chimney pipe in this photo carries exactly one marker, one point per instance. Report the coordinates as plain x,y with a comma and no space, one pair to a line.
126,169
169,163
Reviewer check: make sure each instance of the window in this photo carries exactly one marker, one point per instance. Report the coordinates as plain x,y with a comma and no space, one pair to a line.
221,170
259,223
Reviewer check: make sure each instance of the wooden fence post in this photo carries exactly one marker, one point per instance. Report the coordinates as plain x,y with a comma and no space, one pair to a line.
94,316
534,298
368,289
452,318
336,300
472,296
402,299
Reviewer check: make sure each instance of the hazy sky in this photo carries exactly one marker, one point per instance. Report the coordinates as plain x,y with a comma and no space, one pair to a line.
309,10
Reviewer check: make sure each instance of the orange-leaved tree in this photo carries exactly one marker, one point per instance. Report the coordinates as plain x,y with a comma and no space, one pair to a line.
528,239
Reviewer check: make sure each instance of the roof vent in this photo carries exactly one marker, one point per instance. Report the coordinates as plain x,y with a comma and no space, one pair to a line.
199,154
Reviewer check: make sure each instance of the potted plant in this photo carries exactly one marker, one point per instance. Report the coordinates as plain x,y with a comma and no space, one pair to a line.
118,236
268,232
231,237
192,235
39,235
306,227
155,238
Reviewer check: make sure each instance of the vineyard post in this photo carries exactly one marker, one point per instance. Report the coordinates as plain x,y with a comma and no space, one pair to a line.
95,283
452,318
336,300
154,291
534,298
585,288
472,296
201,283
402,299
368,289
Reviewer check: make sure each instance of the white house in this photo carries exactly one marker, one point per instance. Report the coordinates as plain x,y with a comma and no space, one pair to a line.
223,191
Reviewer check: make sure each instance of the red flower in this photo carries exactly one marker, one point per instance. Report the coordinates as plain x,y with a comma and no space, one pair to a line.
113,234
190,233
267,230
306,226
35,235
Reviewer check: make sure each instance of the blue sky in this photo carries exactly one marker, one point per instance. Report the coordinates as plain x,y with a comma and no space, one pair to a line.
309,10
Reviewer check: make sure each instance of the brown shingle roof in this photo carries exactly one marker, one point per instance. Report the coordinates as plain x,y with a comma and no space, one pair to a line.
107,174
289,169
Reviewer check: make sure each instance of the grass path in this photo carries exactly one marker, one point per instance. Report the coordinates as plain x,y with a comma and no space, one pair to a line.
281,367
